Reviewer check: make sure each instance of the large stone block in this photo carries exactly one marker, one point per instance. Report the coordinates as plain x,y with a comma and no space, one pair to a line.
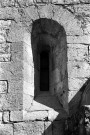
25,2
32,128
15,86
6,129
5,24
67,20
85,39
5,3
16,116
76,83
35,115
11,101
32,12
78,69
15,33
3,86
45,11
73,26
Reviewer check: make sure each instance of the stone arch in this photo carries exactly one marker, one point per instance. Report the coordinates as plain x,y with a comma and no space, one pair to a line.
47,34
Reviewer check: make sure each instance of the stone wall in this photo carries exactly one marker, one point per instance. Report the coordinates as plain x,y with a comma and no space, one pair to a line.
20,112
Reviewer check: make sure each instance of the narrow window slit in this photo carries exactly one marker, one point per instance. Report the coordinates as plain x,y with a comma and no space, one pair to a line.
44,71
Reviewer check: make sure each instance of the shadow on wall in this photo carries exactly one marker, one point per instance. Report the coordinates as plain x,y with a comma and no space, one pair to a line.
79,113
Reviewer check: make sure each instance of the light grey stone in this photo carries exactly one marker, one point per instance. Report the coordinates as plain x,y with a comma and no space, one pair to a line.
6,116
5,57
32,128
27,102
16,116
4,48
58,1
2,39
85,39
76,83
45,11
6,129
3,86
1,117
35,115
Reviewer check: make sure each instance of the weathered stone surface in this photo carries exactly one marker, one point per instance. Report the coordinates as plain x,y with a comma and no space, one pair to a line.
2,39
6,116
25,2
35,115
45,11
15,33
78,54
27,102
26,116
3,86
48,128
5,24
16,116
78,69
6,129
11,101
72,1
5,3
75,83
85,39
58,1
0,117
32,128
4,48
5,57
32,13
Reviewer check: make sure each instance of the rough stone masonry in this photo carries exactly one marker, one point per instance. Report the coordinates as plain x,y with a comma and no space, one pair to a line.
28,27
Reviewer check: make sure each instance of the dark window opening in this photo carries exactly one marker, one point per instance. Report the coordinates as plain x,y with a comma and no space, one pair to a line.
44,71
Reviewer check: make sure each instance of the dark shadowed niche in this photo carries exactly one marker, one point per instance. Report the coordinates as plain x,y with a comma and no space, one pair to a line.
49,49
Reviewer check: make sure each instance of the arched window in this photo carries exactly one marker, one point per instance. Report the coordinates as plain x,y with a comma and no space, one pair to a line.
49,47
